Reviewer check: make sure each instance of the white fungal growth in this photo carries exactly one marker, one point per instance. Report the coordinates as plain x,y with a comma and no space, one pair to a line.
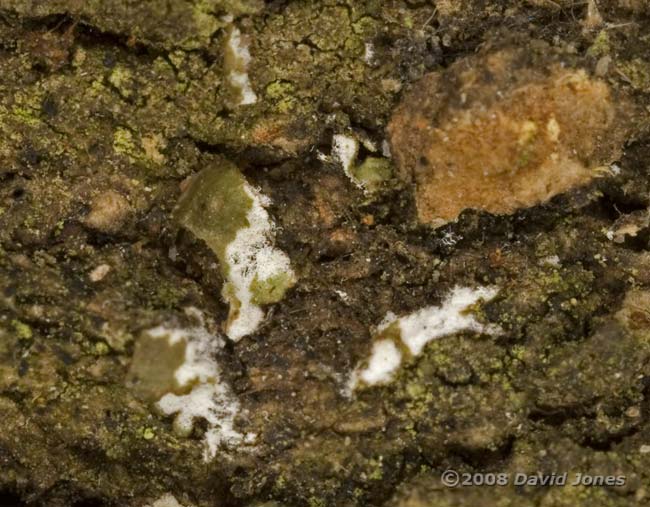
385,149
215,404
209,398
223,209
237,59
384,360
343,295
369,53
411,333
252,256
432,322
166,500
345,150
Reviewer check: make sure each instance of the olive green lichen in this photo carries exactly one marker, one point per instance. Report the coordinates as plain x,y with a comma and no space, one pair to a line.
373,171
221,208
214,208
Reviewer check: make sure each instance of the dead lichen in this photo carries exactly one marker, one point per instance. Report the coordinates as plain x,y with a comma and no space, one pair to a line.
108,212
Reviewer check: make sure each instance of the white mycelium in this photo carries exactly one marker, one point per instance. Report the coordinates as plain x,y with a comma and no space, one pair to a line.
384,360
252,255
209,398
167,500
419,328
345,150
237,75
416,330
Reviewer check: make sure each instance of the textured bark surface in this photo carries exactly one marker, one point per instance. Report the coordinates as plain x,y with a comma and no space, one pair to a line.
108,108
506,130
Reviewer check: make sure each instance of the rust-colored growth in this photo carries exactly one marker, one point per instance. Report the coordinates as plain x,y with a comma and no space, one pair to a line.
51,50
502,132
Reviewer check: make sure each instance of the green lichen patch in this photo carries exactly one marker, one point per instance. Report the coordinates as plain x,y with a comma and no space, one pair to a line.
154,362
271,290
221,208
373,171
214,207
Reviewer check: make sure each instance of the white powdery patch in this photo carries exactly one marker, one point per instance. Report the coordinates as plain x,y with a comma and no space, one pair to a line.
251,255
451,317
419,328
369,53
384,360
238,77
167,500
345,150
210,398
385,149
343,295
214,403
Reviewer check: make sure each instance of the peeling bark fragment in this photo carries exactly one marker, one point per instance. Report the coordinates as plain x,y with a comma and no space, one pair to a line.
504,131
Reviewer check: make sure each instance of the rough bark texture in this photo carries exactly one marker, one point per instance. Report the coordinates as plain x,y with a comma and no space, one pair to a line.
108,106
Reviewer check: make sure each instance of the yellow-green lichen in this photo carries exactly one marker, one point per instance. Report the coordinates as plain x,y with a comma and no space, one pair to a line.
214,207
373,171
272,289
123,143
23,331
122,79
26,115
279,89
101,348
637,72
148,434
601,45
206,22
